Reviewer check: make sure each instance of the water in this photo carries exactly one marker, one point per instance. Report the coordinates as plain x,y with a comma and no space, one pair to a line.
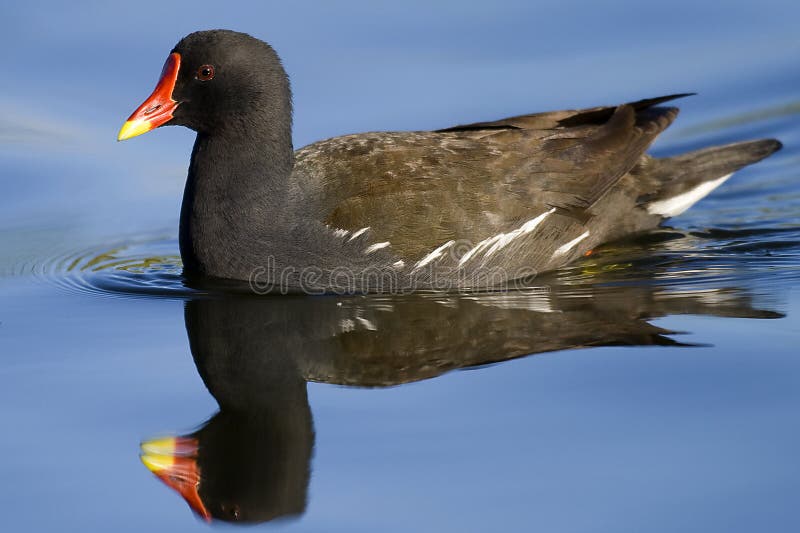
652,386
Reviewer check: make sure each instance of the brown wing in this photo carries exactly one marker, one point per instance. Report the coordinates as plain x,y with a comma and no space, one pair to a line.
573,117
420,189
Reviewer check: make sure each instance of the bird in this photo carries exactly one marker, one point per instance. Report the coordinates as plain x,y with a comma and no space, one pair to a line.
476,206
251,462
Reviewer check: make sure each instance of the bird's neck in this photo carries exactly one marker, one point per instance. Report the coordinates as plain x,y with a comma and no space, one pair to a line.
236,195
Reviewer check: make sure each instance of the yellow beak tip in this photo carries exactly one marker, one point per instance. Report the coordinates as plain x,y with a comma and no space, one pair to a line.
156,463
160,446
133,128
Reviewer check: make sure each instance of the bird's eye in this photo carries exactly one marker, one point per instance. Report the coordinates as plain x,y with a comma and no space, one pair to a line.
205,73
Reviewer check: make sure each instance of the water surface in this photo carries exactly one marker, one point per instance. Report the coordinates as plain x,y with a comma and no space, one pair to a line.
650,387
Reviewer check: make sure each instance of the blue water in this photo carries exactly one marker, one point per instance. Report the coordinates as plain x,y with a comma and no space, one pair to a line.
651,387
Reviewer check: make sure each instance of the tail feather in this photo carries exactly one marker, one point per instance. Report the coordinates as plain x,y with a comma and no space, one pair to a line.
687,178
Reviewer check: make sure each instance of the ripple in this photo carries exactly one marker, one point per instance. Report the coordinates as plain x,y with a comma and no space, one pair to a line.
143,268
707,258
749,117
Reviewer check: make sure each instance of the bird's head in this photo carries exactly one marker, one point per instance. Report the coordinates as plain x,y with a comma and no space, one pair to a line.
216,81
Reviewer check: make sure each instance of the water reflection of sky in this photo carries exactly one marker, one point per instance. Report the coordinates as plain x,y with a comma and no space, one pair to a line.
659,439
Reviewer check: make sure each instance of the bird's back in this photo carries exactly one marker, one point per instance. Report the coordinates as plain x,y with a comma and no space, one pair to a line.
515,196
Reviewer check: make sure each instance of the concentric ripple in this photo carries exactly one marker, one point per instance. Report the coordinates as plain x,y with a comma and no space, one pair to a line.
150,268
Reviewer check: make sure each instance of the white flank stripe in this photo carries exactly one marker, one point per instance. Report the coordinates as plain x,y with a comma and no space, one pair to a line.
359,232
399,264
530,225
377,246
499,241
466,256
491,242
676,205
478,247
505,238
570,245
433,255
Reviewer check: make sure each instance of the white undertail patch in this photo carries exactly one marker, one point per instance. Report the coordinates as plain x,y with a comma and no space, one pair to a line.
676,205
570,245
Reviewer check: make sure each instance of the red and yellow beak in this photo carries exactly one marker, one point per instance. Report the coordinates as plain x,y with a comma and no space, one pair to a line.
159,106
174,461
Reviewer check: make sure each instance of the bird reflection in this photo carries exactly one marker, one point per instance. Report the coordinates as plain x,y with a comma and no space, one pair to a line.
251,461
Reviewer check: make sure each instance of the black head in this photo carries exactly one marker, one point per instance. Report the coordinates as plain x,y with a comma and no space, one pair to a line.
251,461
218,82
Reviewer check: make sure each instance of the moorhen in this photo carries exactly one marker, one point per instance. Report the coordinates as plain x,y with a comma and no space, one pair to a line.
471,206
251,462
